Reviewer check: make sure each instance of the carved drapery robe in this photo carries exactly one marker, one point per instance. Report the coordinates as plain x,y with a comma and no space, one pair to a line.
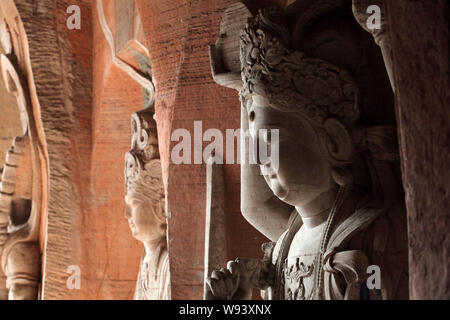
154,280
366,236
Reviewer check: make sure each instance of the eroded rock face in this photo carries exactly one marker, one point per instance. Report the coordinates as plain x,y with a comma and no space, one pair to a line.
83,144
418,53
420,48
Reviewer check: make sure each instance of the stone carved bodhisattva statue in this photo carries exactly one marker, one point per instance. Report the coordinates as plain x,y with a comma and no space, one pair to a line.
145,208
320,80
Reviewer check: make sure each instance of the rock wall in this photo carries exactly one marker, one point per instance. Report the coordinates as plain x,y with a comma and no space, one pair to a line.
420,41
85,110
62,80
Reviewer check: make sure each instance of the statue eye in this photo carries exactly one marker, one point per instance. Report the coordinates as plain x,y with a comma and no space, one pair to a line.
252,116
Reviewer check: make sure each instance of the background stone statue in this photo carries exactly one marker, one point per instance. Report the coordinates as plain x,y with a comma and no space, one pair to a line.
21,184
315,75
20,259
145,208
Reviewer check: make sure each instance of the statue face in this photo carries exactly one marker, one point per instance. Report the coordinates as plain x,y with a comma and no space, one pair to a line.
142,218
303,172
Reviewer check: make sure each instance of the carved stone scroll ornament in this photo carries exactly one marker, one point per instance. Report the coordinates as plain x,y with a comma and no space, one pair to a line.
338,172
145,207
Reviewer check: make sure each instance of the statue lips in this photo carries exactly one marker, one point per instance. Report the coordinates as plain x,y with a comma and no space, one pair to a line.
273,181
275,185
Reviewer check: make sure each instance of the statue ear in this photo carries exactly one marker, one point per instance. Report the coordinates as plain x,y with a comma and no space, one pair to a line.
339,142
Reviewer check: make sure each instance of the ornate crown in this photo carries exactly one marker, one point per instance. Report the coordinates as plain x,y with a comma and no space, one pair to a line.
290,80
142,161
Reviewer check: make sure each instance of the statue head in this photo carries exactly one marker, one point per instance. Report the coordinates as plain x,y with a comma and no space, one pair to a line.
313,97
145,197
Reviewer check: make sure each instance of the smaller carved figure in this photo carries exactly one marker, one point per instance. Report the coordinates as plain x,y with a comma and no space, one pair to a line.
145,208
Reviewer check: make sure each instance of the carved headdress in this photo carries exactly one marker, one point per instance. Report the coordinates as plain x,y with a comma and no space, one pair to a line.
143,172
290,79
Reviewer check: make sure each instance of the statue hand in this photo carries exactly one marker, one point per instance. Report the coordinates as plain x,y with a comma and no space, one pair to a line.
234,282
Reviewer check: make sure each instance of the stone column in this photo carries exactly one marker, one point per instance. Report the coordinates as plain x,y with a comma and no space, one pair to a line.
419,31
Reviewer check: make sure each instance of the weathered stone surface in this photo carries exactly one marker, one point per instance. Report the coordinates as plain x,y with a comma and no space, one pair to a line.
64,101
87,131
24,175
420,44
110,254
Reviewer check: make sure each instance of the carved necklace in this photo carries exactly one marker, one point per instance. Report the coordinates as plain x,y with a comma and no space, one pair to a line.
318,275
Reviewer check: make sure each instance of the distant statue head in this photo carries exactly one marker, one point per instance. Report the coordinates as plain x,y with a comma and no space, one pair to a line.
311,78
145,199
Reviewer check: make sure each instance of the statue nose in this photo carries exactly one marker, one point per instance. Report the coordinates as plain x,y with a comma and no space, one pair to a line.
262,156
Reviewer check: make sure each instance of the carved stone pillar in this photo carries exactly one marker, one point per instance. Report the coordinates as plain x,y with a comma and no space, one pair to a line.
419,31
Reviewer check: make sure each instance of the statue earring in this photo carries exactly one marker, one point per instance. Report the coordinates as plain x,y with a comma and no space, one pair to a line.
342,176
